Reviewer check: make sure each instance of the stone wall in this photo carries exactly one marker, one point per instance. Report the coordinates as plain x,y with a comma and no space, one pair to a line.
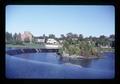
22,51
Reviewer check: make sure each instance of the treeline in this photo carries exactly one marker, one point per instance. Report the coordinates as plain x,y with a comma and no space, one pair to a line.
13,39
98,41
69,37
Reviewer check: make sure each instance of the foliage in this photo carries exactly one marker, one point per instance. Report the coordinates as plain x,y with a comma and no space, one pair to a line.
27,40
9,37
72,44
51,36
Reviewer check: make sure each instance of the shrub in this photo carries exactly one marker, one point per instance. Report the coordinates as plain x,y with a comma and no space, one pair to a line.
83,48
17,43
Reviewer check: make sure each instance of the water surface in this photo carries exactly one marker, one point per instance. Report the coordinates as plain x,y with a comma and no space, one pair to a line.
50,65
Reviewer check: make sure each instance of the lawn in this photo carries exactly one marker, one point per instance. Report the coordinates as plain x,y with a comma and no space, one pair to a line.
27,45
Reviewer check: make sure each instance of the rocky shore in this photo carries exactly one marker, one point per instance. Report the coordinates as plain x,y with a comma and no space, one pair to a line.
65,55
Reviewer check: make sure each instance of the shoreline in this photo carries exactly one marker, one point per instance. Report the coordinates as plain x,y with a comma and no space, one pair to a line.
80,57
65,55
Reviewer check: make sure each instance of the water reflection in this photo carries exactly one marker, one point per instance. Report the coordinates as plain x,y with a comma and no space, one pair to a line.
49,66
81,62
106,61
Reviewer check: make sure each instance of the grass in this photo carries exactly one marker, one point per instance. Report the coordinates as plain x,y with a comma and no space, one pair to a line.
107,49
26,45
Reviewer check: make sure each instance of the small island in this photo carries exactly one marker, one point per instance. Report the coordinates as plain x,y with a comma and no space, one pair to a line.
85,48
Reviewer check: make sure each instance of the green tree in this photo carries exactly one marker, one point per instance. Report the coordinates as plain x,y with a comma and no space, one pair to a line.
15,37
69,35
44,36
80,37
27,40
8,37
52,36
62,36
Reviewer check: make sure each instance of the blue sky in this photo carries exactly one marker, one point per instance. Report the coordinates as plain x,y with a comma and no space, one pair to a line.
88,20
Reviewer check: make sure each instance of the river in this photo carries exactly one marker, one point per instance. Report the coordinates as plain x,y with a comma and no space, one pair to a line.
51,66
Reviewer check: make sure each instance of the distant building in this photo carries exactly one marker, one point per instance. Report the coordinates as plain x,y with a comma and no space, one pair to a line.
27,35
39,39
52,41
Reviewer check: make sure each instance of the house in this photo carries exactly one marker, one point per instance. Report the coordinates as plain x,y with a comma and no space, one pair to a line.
52,41
39,39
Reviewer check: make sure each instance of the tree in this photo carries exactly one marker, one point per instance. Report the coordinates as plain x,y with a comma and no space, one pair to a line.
112,37
113,44
44,36
51,36
62,36
15,37
103,40
69,35
112,40
90,38
80,37
102,37
9,37
27,40
75,36
19,37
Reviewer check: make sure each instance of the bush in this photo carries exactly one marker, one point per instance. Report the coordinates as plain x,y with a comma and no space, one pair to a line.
61,51
80,48
27,40
8,42
17,43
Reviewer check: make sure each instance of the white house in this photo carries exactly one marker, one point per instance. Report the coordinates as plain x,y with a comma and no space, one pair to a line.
39,39
51,41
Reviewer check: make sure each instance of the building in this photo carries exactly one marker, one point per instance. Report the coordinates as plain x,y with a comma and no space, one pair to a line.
27,35
39,39
52,41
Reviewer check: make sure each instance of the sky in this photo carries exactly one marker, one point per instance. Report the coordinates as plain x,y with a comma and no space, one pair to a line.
89,20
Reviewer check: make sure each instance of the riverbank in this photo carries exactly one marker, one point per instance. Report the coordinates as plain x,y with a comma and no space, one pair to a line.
24,67
101,51
107,49
26,45
33,45
65,55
